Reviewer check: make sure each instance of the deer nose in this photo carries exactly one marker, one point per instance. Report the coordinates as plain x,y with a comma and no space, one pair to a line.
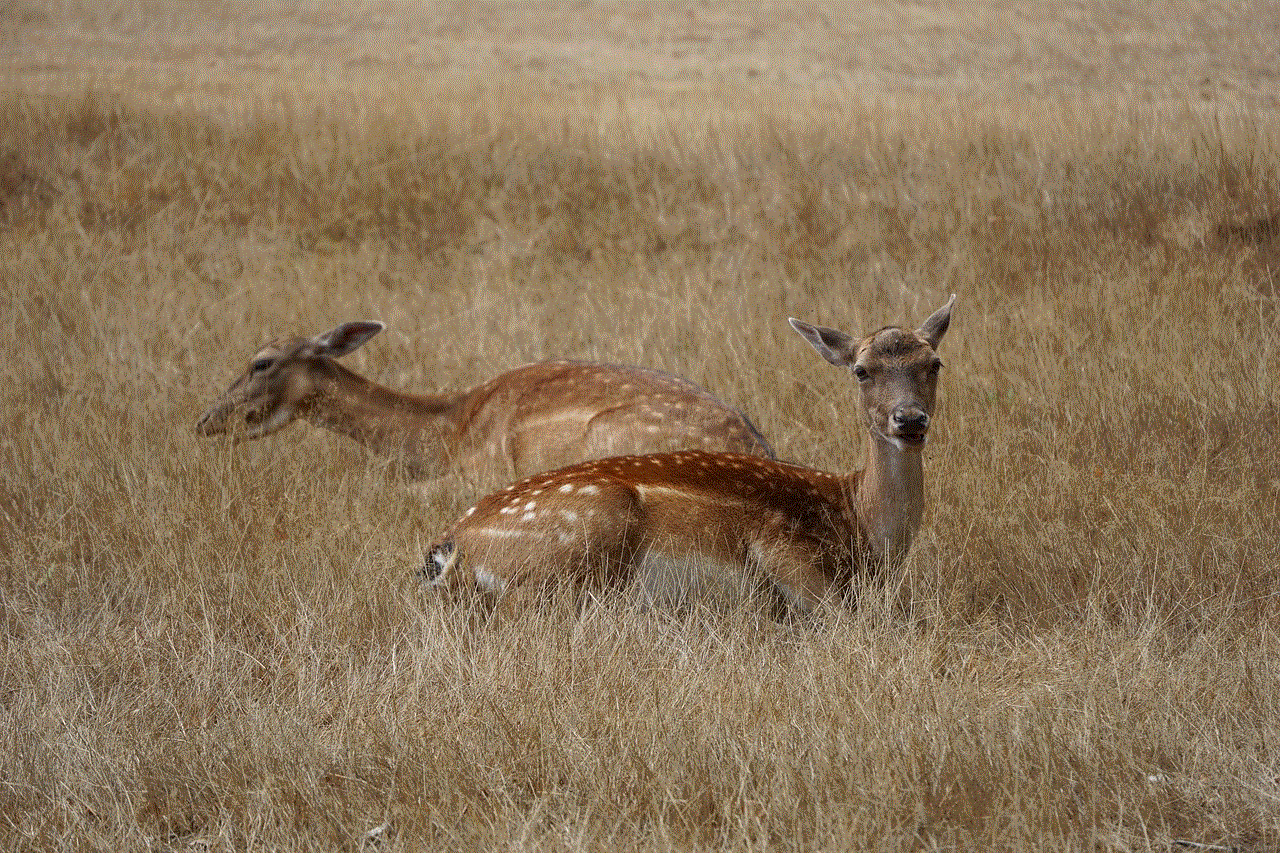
212,422
910,419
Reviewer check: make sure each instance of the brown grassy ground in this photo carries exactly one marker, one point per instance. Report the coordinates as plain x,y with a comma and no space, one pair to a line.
216,649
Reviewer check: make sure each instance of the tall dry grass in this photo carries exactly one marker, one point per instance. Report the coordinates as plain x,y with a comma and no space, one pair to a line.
208,647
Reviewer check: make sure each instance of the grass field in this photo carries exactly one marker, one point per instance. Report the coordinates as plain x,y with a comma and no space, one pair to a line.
206,647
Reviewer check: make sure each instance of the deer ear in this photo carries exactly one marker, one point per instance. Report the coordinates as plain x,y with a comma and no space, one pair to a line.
343,339
936,326
832,344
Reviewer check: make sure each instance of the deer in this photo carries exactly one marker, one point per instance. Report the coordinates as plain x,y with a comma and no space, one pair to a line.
694,524
531,418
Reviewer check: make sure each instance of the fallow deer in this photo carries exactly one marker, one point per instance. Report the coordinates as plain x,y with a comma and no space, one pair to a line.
694,524
531,418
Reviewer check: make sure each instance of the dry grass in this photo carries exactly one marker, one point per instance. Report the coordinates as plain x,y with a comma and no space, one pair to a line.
215,648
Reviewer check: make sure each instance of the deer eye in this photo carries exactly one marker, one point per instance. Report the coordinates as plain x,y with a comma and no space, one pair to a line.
934,368
260,365
861,372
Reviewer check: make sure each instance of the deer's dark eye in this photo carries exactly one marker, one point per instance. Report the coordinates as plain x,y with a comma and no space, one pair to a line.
934,368
861,372
260,365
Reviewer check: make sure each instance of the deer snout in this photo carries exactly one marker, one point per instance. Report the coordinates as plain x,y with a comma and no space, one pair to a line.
218,420
207,425
910,422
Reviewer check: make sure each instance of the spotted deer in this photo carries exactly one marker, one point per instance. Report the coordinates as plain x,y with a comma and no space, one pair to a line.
531,418
695,524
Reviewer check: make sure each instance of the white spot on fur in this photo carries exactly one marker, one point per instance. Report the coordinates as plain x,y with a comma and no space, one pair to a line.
444,562
529,516
566,488
505,533
568,515
488,581
530,506
591,490
650,489
469,513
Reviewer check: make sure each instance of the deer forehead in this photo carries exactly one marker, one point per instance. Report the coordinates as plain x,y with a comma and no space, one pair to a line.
278,346
270,350
895,345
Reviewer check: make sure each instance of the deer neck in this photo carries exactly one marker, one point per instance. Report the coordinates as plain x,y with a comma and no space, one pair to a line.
383,420
889,499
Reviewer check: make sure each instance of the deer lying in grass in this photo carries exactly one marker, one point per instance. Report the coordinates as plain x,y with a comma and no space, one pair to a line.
528,419
694,524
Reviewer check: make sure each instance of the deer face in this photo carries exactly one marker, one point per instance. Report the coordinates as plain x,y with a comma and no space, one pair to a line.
265,398
897,375
896,370
278,382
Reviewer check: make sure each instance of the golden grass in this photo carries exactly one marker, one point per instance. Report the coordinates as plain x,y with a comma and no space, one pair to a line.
217,648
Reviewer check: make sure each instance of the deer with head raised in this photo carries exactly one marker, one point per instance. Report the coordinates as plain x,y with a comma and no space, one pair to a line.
692,524
530,418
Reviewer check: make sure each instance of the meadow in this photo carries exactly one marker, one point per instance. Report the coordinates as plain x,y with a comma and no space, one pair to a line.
216,647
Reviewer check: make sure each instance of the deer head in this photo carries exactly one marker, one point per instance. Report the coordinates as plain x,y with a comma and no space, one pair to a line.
279,379
896,371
